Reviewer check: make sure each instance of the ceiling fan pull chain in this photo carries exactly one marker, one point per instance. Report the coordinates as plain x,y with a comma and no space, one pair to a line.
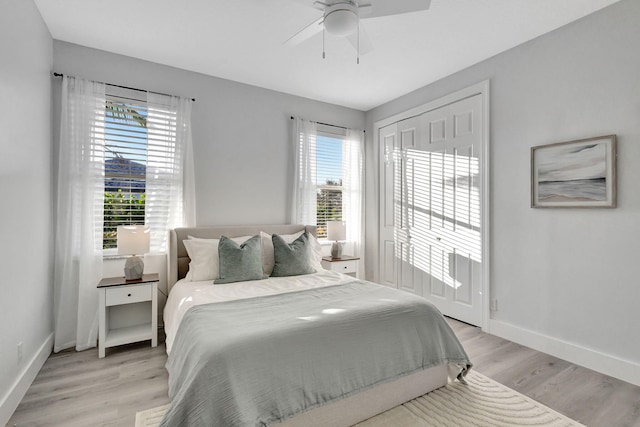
323,56
358,46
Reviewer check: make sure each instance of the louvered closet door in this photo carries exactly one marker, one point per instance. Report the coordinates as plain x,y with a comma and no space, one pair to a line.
430,207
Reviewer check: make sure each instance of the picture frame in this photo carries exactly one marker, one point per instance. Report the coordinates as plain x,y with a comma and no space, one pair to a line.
574,174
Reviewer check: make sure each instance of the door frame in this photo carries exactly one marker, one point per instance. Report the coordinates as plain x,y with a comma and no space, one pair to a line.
481,88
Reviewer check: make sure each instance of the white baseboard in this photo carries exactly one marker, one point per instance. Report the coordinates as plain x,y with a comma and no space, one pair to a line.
624,370
19,388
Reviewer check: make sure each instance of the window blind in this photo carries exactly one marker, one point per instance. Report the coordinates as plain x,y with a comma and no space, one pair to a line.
142,167
125,159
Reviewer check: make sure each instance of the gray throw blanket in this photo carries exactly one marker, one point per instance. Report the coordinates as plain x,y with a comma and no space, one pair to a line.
258,361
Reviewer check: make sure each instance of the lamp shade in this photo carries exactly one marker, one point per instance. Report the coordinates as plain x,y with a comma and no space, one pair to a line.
133,239
336,230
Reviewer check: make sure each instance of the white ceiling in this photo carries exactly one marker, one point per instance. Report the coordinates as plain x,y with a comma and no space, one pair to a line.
242,40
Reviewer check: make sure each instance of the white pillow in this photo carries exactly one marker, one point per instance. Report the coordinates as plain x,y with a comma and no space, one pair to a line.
205,261
316,259
268,256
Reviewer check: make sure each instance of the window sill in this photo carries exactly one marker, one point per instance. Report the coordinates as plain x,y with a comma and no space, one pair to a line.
106,257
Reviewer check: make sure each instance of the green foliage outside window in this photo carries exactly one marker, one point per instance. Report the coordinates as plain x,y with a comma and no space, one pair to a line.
121,208
329,206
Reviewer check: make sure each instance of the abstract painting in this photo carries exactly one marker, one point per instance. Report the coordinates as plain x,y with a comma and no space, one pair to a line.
574,174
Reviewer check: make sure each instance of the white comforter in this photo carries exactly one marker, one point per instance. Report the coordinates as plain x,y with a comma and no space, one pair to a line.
185,295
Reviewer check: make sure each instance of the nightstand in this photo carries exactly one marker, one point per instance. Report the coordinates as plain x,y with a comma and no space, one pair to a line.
116,292
346,264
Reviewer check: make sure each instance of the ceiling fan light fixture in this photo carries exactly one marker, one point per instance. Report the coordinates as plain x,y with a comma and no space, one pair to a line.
341,19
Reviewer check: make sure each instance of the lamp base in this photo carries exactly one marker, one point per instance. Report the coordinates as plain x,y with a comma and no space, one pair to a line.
133,268
336,250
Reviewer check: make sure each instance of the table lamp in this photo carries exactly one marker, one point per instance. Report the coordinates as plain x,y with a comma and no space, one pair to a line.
133,240
336,231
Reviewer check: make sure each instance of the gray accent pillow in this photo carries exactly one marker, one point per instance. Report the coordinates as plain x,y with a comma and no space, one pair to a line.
240,262
292,259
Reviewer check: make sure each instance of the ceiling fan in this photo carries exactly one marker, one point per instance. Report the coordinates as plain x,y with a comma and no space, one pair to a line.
342,18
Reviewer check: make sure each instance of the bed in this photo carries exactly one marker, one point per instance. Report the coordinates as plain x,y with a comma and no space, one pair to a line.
301,350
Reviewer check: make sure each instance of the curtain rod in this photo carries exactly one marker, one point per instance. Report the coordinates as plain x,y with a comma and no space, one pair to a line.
327,124
126,87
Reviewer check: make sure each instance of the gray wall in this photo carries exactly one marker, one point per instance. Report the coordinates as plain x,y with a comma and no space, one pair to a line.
567,275
26,293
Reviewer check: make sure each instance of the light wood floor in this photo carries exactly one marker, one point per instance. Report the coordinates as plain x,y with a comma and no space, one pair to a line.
78,389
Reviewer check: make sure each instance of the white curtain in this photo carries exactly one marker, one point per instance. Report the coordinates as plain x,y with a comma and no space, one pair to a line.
353,192
170,182
79,212
304,201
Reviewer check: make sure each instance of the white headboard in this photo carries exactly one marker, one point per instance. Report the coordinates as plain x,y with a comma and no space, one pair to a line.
179,259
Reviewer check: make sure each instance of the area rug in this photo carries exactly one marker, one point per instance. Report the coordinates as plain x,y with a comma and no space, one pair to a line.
483,402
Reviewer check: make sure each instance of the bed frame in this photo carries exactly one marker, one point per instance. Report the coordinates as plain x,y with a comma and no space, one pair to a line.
342,413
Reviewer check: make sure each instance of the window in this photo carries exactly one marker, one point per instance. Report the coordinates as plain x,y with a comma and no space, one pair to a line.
328,175
148,164
329,181
125,161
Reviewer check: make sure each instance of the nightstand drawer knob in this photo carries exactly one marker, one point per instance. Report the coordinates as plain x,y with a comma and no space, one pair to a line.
128,295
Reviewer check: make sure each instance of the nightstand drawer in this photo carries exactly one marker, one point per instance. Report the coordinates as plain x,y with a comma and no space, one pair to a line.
349,266
344,266
127,294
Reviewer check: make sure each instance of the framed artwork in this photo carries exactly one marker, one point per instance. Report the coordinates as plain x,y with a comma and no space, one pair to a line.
574,174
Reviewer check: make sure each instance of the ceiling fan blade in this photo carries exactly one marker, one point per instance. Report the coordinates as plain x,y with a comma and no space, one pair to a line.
306,33
320,5
385,8
365,42
315,4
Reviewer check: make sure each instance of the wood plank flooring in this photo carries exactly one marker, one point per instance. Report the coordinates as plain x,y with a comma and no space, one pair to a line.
78,389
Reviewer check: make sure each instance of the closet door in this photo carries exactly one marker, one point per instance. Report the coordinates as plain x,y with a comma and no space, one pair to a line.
430,228
390,203
397,216
447,232
409,133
